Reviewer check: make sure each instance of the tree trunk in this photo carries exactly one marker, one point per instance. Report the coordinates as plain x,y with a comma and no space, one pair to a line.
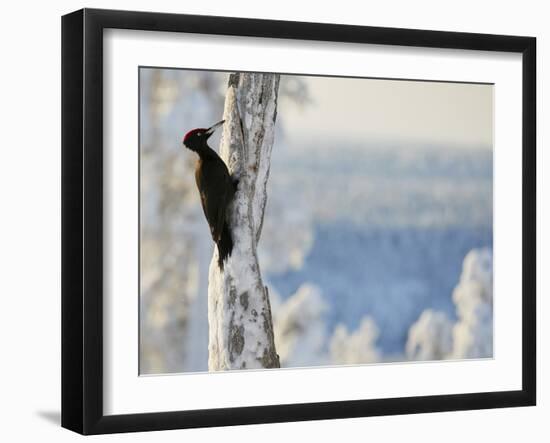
239,313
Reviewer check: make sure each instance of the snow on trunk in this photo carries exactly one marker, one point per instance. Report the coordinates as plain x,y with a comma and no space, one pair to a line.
239,313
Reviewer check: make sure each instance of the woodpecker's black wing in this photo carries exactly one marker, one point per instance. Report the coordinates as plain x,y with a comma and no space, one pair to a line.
215,186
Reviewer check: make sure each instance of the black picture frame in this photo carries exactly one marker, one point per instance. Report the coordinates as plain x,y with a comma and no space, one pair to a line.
82,220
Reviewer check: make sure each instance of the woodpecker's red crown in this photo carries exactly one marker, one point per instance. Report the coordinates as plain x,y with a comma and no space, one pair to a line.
193,132
194,138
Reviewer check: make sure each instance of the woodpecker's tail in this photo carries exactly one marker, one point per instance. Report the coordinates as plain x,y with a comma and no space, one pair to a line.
225,245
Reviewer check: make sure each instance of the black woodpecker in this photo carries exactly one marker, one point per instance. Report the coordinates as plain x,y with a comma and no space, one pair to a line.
216,188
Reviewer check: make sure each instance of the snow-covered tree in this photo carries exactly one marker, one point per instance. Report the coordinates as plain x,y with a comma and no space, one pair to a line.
473,297
289,234
434,337
239,312
300,328
175,246
430,338
357,347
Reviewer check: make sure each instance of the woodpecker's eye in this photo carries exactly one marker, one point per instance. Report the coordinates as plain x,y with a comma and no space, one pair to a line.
199,134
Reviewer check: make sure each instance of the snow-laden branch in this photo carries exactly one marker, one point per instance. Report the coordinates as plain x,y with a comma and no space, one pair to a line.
239,312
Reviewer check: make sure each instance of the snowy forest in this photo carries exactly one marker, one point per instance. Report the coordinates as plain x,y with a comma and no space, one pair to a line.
376,243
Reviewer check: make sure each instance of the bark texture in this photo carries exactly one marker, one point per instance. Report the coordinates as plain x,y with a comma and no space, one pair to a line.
239,313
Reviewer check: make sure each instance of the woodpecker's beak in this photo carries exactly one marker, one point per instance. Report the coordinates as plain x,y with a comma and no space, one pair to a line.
212,128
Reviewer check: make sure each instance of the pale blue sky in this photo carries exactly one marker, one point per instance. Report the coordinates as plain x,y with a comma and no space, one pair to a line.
455,114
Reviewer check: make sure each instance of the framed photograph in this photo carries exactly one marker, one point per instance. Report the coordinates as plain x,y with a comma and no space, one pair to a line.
269,221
